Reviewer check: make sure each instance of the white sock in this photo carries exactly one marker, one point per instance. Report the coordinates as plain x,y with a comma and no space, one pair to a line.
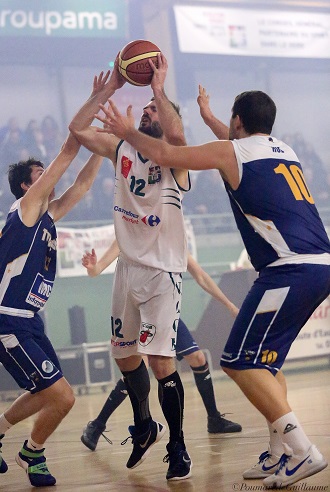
291,433
275,443
4,424
34,445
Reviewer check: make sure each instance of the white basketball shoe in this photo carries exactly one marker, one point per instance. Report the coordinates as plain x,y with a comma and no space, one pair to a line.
293,468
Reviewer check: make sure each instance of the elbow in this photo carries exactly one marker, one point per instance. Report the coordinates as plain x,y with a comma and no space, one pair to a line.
73,129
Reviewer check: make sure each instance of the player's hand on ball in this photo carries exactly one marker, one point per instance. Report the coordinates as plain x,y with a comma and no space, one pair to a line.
116,78
115,122
158,79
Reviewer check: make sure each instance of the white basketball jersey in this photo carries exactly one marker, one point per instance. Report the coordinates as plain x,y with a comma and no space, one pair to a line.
148,215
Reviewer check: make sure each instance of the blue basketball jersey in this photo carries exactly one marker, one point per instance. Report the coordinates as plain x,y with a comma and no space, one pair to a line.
27,264
273,207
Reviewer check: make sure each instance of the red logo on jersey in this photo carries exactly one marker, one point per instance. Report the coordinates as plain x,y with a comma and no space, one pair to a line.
126,165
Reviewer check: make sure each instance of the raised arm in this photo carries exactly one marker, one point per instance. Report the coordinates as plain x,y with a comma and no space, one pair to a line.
95,267
220,130
207,283
35,202
169,119
104,86
213,155
83,182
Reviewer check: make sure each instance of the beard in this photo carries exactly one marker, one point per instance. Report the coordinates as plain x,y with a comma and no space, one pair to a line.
154,130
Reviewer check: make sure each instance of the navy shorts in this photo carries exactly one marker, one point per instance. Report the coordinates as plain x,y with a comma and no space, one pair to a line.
185,344
280,302
30,357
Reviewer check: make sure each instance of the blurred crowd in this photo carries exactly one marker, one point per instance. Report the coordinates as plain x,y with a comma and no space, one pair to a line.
42,140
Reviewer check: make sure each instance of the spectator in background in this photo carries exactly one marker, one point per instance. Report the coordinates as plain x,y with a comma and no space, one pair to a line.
12,125
36,146
12,146
52,136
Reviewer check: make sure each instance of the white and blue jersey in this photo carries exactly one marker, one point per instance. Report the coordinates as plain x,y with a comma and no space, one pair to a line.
273,207
27,272
286,242
148,213
27,265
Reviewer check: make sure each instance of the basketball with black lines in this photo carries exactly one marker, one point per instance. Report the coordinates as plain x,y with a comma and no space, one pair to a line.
133,61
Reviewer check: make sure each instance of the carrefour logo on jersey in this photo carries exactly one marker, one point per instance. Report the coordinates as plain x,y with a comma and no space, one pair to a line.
151,220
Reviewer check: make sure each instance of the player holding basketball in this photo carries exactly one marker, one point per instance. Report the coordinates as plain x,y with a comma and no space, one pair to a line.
147,287
27,273
186,347
288,246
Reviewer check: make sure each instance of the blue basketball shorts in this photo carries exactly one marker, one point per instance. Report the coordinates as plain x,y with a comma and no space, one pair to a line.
185,344
30,357
278,305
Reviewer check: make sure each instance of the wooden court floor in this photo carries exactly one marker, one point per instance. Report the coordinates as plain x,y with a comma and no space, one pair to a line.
218,460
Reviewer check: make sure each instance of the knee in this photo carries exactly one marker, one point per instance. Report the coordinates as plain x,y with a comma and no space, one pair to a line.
196,359
69,400
63,397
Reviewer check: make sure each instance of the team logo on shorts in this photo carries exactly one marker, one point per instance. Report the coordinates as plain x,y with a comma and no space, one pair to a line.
47,366
249,354
147,334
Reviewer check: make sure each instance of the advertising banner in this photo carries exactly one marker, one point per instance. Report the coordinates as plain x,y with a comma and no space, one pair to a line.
73,243
249,32
314,338
63,18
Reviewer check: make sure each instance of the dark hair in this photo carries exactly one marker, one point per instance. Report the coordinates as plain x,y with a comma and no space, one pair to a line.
256,110
21,173
176,107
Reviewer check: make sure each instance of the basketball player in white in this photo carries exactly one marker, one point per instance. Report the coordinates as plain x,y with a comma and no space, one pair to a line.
147,289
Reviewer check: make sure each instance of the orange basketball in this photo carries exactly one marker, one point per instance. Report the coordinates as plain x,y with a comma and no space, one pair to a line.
133,61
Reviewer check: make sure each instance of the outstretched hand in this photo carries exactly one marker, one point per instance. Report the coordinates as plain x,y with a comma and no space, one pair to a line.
89,260
203,101
103,79
99,82
114,122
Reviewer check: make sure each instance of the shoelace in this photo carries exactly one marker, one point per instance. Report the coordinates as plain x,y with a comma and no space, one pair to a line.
283,461
166,458
265,455
106,438
125,440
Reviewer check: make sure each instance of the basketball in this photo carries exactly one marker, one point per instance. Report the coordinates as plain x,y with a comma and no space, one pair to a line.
133,61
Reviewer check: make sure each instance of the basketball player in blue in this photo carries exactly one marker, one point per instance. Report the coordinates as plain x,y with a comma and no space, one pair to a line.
286,243
27,273
186,348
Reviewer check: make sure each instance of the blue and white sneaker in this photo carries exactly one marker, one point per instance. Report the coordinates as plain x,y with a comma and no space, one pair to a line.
267,465
294,468
143,442
3,464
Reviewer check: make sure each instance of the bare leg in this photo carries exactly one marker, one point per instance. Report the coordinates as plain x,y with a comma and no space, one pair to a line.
51,405
263,390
